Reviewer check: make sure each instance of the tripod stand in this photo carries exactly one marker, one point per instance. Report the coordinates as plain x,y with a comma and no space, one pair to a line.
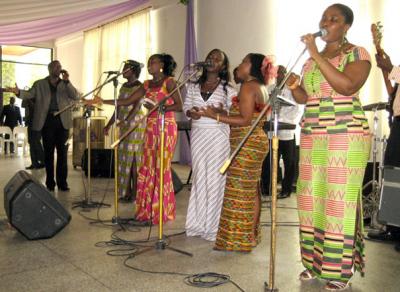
371,201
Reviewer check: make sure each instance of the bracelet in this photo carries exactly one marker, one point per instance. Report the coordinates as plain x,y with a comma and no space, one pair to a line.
218,118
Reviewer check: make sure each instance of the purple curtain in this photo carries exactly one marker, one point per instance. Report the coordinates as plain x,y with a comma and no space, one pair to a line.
51,28
190,57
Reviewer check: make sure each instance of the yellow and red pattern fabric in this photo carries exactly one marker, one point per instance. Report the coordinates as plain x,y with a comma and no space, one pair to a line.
334,150
147,197
235,232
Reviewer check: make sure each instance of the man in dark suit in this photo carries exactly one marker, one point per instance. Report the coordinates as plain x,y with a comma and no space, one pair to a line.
52,94
12,115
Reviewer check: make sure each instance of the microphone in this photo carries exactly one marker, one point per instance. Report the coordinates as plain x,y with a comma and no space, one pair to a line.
323,32
111,72
207,63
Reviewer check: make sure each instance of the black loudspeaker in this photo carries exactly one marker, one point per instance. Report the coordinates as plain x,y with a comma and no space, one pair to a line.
389,206
32,209
176,181
102,162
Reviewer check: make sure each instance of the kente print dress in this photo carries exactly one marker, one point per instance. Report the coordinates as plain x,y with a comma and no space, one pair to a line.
235,231
334,150
130,151
147,197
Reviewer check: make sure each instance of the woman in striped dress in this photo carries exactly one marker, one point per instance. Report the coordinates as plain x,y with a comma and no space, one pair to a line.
334,149
209,146
130,150
239,224
161,67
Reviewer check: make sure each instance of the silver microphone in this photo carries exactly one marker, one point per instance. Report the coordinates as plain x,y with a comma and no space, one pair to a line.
207,63
323,32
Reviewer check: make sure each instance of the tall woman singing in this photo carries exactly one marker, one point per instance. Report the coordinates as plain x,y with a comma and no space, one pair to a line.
209,146
239,224
161,67
334,149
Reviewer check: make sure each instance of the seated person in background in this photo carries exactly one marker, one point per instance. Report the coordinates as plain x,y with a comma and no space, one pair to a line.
12,115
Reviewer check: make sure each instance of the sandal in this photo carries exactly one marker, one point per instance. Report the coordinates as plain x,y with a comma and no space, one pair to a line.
306,275
336,285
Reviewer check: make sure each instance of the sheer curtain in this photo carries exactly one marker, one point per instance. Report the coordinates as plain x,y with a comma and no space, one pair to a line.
106,47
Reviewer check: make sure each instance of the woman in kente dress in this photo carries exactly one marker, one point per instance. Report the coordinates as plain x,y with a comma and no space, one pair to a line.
161,67
130,150
239,223
334,150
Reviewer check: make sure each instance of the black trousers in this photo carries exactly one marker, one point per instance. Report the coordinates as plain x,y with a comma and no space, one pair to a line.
54,137
287,150
392,157
7,136
35,147
392,154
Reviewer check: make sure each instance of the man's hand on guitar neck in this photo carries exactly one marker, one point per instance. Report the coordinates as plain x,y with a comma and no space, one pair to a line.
383,61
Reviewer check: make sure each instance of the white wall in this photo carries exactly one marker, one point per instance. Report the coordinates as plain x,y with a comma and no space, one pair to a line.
69,51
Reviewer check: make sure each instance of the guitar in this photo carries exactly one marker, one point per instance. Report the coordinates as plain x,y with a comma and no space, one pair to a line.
376,30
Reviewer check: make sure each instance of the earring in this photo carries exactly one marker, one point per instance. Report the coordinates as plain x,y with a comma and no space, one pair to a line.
161,70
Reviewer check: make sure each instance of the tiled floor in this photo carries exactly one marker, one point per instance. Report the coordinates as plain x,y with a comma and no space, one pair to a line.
71,261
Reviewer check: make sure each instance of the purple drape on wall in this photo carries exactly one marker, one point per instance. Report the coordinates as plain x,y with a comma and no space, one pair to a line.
51,28
190,57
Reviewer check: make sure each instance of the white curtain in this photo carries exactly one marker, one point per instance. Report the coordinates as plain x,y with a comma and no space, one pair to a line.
106,47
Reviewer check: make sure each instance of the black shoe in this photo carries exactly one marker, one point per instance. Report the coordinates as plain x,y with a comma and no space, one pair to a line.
50,189
30,167
64,188
380,235
397,247
284,195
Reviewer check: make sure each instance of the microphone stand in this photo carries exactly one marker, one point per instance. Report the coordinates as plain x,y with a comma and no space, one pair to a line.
276,103
87,202
161,243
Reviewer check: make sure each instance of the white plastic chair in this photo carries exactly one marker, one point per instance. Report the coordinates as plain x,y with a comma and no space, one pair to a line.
20,135
3,131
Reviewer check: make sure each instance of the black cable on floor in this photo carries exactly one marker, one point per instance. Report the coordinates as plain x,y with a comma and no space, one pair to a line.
130,249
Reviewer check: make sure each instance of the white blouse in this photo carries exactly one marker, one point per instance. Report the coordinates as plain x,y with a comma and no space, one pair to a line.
194,99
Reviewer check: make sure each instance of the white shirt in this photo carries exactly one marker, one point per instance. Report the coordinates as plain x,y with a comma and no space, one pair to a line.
395,76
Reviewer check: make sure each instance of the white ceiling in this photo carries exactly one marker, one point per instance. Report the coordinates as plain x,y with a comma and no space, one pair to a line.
16,11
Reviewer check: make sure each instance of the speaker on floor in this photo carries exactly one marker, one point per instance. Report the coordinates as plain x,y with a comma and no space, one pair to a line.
32,209
176,181
389,206
102,162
